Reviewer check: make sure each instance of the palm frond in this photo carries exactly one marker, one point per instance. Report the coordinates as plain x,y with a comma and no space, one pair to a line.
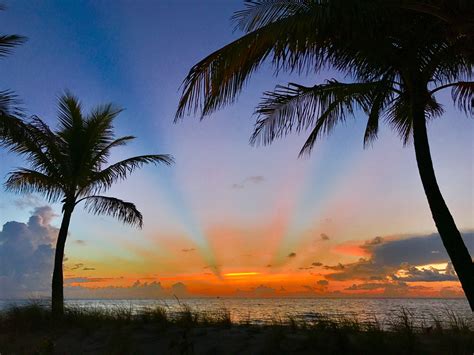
31,181
114,207
99,125
290,43
104,179
383,96
101,156
36,143
399,115
301,36
463,96
10,104
319,108
261,13
11,123
69,112
8,42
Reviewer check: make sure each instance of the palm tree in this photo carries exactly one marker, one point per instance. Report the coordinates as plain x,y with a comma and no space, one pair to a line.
68,165
397,60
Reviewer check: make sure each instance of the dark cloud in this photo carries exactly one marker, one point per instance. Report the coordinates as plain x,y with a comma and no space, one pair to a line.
26,255
363,269
417,250
366,287
80,242
187,250
139,290
388,256
317,263
88,268
336,267
292,255
249,180
389,289
428,275
324,236
74,280
75,266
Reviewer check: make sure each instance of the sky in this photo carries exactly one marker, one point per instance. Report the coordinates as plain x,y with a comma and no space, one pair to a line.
227,219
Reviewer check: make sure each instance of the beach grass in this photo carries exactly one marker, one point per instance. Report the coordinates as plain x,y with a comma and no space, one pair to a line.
30,329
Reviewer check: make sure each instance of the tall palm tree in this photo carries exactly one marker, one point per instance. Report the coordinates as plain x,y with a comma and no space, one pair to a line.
69,165
396,59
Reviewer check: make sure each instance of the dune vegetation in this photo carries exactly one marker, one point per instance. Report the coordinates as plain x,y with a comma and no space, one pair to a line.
32,329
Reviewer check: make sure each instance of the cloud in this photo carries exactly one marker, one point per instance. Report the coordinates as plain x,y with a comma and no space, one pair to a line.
187,250
75,266
27,254
88,268
80,242
389,256
138,290
431,274
292,255
389,289
255,179
324,236
258,179
416,250
75,280
317,263
322,282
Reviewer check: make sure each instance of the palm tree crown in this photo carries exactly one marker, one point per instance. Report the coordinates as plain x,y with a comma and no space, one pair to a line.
68,164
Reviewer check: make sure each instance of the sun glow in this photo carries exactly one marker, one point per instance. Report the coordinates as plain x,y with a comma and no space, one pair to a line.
237,274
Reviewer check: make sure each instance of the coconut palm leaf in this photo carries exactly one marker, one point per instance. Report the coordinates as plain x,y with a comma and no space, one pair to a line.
318,108
9,42
31,181
463,96
104,179
125,212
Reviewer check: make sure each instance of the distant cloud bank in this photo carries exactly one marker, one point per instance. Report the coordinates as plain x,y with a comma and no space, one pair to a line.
27,254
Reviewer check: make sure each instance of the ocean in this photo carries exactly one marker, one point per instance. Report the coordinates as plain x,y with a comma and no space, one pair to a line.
266,311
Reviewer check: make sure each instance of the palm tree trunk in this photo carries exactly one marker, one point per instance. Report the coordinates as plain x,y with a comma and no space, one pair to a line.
57,296
450,235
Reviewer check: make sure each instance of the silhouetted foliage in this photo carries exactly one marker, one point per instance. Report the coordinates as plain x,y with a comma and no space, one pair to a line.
119,330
